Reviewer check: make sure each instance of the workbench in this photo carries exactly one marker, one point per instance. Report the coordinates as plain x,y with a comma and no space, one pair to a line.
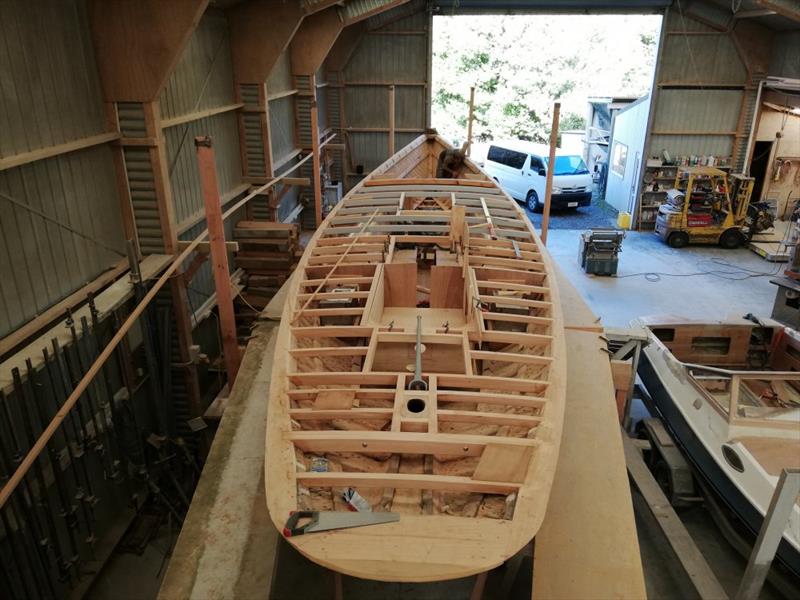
586,548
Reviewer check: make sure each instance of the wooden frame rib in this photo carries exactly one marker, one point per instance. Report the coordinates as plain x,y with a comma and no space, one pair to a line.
405,481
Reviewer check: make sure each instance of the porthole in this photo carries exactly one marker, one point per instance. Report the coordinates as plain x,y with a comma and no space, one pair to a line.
732,458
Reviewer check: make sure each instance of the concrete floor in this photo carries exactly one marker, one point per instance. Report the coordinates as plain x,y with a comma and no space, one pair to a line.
617,300
676,288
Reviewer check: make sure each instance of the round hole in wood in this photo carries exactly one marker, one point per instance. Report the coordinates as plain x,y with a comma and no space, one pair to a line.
415,405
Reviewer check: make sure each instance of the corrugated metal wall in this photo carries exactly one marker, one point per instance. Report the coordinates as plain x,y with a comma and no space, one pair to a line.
280,80
281,124
393,51
701,92
785,60
50,94
204,76
202,80
185,177
50,90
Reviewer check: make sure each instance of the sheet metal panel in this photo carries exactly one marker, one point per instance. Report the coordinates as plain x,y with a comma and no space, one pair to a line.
785,60
705,59
182,160
281,123
382,58
204,76
280,80
389,58
49,87
40,262
367,106
201,287
696,111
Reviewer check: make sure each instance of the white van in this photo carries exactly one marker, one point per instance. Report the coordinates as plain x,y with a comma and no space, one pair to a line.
520,168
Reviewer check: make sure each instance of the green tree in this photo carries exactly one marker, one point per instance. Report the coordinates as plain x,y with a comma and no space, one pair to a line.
519,65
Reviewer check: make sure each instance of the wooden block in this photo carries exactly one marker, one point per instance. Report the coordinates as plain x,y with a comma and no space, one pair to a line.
447,286
335,399
621,374
504,463
457,224
400,285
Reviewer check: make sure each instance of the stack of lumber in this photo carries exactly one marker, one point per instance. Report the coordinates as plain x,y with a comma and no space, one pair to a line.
268,253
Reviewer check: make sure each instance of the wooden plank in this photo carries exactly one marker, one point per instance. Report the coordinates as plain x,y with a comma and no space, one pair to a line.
403,442
326,413
332,331
587,546
219,256
400,281
690,557
313,41
513,337
253,54
200,114
106,301
328,351
333,400
19,335
16,160
447,286
405,481
530,359
205,247
138,44
503,463
486,418
431,182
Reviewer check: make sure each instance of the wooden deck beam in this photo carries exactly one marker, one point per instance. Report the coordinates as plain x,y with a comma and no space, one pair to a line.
402,442
405,481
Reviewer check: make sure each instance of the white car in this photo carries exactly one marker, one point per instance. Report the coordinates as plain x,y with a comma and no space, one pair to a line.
521,167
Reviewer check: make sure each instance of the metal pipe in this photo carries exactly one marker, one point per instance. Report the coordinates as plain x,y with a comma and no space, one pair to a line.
26,517
67,509
87,499
418,383
14,559
105,405
44,497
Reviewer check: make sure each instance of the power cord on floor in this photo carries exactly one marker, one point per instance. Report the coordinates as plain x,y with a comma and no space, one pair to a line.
742,272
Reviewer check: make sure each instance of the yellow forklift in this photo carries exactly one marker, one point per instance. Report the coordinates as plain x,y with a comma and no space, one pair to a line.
707,206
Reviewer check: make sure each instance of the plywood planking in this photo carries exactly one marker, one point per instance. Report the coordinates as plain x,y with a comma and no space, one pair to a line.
400,284
587,545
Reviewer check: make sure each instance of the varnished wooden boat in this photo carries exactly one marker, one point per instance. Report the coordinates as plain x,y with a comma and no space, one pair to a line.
462,445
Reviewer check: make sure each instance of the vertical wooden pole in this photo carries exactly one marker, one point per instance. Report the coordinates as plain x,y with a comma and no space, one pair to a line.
315,160
471,118
219,256
551,165
391,120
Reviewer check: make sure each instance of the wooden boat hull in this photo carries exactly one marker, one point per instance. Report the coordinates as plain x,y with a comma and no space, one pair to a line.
468,461
702,431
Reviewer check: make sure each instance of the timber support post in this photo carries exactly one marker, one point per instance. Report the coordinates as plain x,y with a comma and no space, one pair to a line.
551,165
391,120
219,256
470,118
